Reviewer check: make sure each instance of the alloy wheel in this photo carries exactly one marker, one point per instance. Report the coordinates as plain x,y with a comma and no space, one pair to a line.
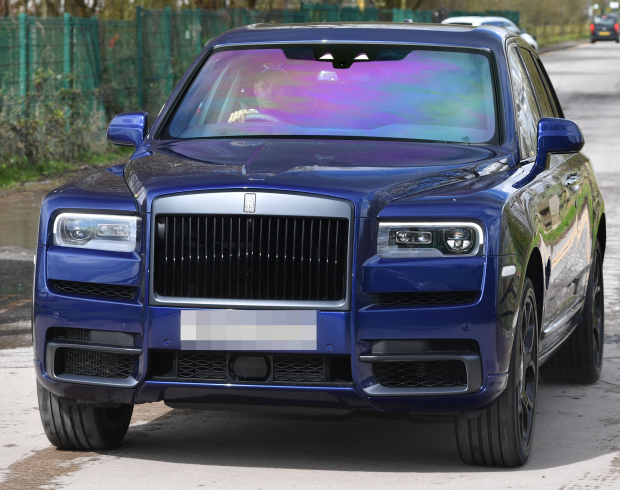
597,309
527,385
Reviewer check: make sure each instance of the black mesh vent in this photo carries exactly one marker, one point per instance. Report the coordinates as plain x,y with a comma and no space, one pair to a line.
421,374
201,365
299,369
92,363
246,257
70,334
426,298
218,366
92,289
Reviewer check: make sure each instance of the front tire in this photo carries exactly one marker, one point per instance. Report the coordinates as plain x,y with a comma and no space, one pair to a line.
82,427
580,359
502,434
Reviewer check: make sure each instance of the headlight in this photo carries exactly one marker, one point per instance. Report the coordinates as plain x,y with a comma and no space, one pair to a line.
96,231
404,240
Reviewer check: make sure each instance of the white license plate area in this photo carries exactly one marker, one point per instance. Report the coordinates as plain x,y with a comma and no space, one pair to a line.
249,330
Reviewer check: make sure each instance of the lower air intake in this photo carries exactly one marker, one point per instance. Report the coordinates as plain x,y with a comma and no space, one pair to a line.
92,289
420,374
221,366
81,362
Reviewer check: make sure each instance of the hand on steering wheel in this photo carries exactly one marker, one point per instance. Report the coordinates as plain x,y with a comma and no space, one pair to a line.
250,115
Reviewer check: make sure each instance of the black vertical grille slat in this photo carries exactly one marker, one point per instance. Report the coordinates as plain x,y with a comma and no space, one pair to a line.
230,256
221,274
166,265
238,270
277,276
260,258
268,259
248,257
336,257
197,259
310,269
329,228
293,258
286,287
318,260
214,253
302,244
181,259
174,256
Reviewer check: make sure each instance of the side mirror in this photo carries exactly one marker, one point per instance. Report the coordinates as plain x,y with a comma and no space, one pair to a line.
554,136
128,129
557,136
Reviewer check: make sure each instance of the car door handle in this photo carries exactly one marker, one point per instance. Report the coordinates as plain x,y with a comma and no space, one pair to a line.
573,179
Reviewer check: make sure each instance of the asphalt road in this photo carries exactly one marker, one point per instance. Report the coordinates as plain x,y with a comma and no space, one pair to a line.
577,438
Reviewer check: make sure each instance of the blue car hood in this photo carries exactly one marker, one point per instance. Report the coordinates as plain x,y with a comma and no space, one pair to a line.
371,174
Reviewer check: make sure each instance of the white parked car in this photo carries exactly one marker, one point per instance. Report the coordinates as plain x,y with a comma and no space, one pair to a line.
478,20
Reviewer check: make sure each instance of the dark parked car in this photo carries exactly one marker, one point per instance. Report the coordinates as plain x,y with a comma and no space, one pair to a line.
326,219
604,28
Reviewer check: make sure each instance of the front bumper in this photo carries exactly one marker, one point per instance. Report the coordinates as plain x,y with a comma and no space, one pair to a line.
346,333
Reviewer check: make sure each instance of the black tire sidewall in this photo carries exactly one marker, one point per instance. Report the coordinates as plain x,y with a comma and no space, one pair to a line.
586,327
514,452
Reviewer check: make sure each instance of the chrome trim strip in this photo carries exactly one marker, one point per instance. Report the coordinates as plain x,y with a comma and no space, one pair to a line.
231,202
473,364
50,350
266,204
570,313
267,304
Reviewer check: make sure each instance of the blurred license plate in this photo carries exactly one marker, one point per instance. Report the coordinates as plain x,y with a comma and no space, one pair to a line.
261,330
603,33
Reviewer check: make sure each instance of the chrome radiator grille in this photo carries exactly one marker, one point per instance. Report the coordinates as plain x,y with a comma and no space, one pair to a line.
251,257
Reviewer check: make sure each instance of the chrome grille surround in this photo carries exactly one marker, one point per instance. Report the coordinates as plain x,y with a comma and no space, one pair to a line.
266,204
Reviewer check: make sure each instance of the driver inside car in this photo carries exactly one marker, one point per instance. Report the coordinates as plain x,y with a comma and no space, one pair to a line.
268,90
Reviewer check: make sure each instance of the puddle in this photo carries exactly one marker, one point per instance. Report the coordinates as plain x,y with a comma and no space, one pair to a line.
12,289
19,219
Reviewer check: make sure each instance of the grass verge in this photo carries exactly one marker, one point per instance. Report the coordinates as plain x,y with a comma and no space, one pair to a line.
18,171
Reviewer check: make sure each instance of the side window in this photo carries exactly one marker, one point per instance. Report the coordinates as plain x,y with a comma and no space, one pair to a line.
526,110
539,85
552,95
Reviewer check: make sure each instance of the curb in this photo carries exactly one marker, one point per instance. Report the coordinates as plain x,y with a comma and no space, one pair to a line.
562,46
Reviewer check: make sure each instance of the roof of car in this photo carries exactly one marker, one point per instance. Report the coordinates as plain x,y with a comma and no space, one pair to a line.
395,32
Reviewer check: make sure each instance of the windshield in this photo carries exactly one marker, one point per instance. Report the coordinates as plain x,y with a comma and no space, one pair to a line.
417,94
604,21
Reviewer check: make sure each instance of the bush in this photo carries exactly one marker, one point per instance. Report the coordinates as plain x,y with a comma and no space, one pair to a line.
50,123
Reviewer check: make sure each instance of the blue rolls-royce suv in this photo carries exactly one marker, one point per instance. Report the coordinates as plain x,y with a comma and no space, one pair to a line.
327,218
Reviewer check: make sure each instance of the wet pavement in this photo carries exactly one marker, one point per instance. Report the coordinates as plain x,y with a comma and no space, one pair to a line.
577,439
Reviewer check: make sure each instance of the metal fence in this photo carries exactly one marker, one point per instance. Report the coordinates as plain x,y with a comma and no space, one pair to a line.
134,64
119,65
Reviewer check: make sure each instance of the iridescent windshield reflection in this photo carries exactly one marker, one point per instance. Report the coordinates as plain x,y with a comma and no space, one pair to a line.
410,94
